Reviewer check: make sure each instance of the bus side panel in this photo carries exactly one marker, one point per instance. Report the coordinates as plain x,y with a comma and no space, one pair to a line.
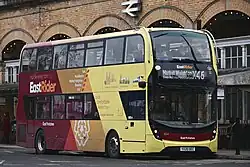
55,132
88,135
117,88
73,135
24,127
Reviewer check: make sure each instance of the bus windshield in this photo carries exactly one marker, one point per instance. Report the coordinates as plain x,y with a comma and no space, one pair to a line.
182,107
181,45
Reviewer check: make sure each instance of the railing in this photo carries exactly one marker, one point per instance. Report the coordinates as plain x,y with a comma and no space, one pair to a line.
234,53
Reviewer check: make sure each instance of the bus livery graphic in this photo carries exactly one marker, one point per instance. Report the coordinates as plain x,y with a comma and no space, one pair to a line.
146,90
82,129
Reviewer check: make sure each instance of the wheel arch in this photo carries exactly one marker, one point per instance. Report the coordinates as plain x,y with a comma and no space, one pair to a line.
39,129
106,137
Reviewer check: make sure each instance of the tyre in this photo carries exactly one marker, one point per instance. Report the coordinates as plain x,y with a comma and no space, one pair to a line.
113,145
40,144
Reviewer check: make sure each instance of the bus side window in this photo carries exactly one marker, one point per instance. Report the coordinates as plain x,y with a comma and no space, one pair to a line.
94,54
114,51
134,49
74,107
29,107
90,109
44,58
58,107
26,56
43,107
134,104
29,60
60,56
76,55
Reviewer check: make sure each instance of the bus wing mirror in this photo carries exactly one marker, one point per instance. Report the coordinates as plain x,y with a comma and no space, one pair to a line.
142,84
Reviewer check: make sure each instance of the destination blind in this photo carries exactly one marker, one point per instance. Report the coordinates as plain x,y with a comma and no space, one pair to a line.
184,74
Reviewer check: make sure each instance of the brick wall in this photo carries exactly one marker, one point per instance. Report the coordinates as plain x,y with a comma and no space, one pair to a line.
77,18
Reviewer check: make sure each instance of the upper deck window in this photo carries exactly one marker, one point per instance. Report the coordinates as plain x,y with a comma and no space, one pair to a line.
76,55
134,49
60,56
114,51
181,45
94,54
44,58
29,59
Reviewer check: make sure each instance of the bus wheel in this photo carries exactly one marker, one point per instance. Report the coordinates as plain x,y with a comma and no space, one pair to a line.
40,144
113,145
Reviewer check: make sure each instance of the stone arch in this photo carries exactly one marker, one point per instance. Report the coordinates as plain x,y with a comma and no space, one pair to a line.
107,21
218,6
15,34
166,12
58,28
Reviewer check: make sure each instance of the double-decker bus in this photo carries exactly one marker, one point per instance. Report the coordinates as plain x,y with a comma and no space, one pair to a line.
145,90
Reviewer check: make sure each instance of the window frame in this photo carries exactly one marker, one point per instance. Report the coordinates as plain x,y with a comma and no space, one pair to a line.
69,50
37,56
85,42
29,98
53,62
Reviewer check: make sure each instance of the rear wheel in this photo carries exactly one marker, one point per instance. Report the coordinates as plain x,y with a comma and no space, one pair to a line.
113,145
40,144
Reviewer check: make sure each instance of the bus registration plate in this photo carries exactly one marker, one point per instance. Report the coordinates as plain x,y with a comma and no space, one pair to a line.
187,149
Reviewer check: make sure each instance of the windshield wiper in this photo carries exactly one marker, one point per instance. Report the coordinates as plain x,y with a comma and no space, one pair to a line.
185,60
192,51
160,35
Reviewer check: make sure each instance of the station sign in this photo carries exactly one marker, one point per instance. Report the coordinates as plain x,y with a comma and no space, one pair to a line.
133,7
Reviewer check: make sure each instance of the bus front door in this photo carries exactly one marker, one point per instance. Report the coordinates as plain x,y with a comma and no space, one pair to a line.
134,139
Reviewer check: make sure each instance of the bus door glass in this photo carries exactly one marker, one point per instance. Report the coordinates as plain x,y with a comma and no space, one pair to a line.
134,128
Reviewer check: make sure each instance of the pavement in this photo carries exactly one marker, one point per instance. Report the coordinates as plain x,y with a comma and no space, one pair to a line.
230,154
11,155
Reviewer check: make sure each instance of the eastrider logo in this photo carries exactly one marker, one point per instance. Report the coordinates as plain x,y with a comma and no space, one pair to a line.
42,87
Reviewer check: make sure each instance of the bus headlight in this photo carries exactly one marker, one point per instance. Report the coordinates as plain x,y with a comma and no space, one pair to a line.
213,134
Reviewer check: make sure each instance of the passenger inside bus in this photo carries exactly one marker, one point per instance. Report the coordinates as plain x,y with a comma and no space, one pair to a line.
163,52
134,51
138,53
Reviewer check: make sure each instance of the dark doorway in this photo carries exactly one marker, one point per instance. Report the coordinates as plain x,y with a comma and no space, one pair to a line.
12,50
229,24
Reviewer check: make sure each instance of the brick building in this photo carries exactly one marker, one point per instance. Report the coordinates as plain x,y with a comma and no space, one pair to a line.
29,21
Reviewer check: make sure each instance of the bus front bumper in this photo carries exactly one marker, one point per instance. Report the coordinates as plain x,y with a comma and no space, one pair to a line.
198,147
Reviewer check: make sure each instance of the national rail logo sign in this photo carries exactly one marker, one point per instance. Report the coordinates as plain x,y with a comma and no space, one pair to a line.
133,6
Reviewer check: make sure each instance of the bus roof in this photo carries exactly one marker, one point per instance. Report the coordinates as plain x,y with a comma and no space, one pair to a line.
107,35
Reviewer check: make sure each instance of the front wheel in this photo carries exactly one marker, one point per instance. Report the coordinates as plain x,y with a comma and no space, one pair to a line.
40,144
113,145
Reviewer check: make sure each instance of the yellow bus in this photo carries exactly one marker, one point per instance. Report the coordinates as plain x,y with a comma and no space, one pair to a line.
145,90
